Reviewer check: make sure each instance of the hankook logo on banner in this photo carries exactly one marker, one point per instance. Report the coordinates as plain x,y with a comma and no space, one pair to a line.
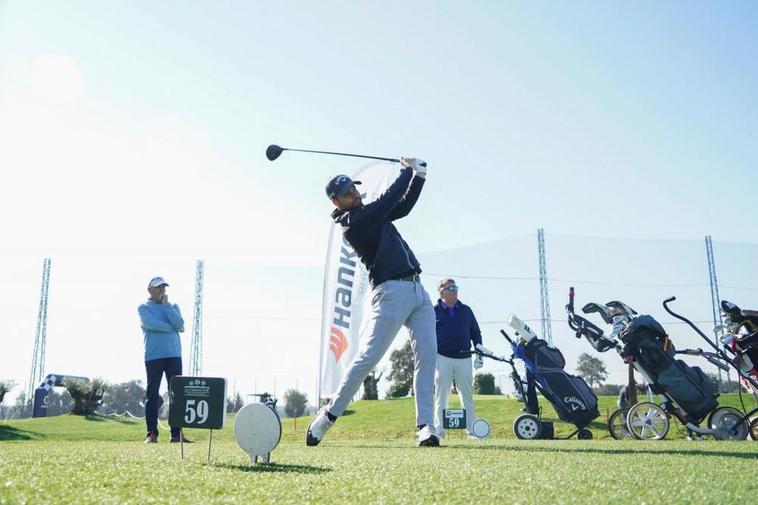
343,295
337,343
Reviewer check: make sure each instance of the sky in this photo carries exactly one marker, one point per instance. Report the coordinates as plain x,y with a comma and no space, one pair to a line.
132,140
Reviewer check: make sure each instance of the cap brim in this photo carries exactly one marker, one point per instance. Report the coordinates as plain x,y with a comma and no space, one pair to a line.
347,188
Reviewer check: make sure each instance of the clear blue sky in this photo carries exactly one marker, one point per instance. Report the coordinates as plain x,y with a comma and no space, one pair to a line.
133,137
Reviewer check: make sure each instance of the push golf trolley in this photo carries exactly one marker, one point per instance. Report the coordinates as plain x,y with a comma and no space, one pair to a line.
570,396
744,349
686,393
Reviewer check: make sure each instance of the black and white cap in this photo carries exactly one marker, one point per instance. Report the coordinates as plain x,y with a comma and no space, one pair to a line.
339,185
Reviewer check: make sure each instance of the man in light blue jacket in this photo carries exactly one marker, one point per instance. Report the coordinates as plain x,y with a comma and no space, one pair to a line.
161,323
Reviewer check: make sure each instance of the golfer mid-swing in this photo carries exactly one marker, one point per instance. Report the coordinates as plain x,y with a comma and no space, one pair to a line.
397,298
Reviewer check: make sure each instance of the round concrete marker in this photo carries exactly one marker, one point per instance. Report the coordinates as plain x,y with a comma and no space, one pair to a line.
257,430
481,428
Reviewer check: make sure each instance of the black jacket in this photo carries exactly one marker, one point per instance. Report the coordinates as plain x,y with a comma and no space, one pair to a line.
369,230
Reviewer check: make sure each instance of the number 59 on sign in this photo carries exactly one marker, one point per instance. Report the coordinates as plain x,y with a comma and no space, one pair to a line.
197,402
454,419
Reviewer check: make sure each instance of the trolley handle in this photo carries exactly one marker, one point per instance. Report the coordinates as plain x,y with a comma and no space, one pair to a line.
507,337
570,306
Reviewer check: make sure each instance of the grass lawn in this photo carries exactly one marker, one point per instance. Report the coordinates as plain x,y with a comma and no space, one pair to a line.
369,456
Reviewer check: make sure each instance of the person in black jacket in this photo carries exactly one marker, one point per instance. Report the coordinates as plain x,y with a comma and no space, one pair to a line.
397,298
457,330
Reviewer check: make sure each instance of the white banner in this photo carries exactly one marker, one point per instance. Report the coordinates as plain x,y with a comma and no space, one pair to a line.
347,289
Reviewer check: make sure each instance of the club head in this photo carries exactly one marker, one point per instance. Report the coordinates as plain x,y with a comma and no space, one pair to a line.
273,152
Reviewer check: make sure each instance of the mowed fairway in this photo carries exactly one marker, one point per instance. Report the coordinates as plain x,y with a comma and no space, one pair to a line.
369,456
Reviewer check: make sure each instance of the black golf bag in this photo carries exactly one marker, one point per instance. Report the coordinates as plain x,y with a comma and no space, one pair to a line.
647,343
571,397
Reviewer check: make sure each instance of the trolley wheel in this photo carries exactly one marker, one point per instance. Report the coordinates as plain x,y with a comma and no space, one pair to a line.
527,427
617,425
754,429
584,434
647,421
727,424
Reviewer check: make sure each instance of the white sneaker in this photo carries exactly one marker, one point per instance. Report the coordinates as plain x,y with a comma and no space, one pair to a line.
427,437
318,428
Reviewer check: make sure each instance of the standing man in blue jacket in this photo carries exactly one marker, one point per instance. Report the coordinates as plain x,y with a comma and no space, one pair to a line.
161,323
457,330
397,298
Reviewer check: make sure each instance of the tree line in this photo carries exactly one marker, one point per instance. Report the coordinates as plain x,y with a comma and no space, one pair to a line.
99,397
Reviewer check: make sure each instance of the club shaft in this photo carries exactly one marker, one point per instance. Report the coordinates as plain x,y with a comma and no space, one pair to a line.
343,154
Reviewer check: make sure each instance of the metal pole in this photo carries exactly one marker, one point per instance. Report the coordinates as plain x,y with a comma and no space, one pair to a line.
715,301
547,332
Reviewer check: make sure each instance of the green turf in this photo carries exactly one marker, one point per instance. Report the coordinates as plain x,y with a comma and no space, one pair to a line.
368,457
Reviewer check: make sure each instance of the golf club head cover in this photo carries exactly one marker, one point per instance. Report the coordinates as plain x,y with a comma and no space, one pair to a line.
523,330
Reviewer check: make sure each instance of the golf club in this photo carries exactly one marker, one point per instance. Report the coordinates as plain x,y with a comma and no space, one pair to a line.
274,151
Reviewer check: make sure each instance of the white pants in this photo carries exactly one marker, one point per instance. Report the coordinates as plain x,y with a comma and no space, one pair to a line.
460,370
395,304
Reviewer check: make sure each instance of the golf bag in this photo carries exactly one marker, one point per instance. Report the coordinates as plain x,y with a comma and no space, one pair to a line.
647,343
571,397
743,346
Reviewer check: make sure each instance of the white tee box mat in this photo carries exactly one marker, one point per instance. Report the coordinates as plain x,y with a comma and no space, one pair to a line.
197,402
258,430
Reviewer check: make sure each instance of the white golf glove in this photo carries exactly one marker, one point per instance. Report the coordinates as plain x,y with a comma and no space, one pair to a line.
418,166
478,363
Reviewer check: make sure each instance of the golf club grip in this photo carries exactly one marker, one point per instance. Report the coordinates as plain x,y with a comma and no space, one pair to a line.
344,154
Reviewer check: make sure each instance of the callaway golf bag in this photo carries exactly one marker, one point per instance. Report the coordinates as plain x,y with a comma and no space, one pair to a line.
571,397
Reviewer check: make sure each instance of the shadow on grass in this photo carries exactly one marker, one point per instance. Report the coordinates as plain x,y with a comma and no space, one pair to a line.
119,419
596,450
11,433
275,468
638,450
99,418
625,450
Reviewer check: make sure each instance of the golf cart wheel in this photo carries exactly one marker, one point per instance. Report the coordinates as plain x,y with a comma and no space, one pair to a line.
617,425
754,429
527,427
647,421
584,434
727,424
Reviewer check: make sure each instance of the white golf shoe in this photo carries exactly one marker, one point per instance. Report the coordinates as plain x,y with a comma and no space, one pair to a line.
427,437
318,428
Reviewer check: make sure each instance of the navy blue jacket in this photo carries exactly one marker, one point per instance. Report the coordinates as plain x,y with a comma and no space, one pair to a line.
370,232
455,334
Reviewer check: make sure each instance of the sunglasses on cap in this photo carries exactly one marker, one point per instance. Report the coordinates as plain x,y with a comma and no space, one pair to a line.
452,288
